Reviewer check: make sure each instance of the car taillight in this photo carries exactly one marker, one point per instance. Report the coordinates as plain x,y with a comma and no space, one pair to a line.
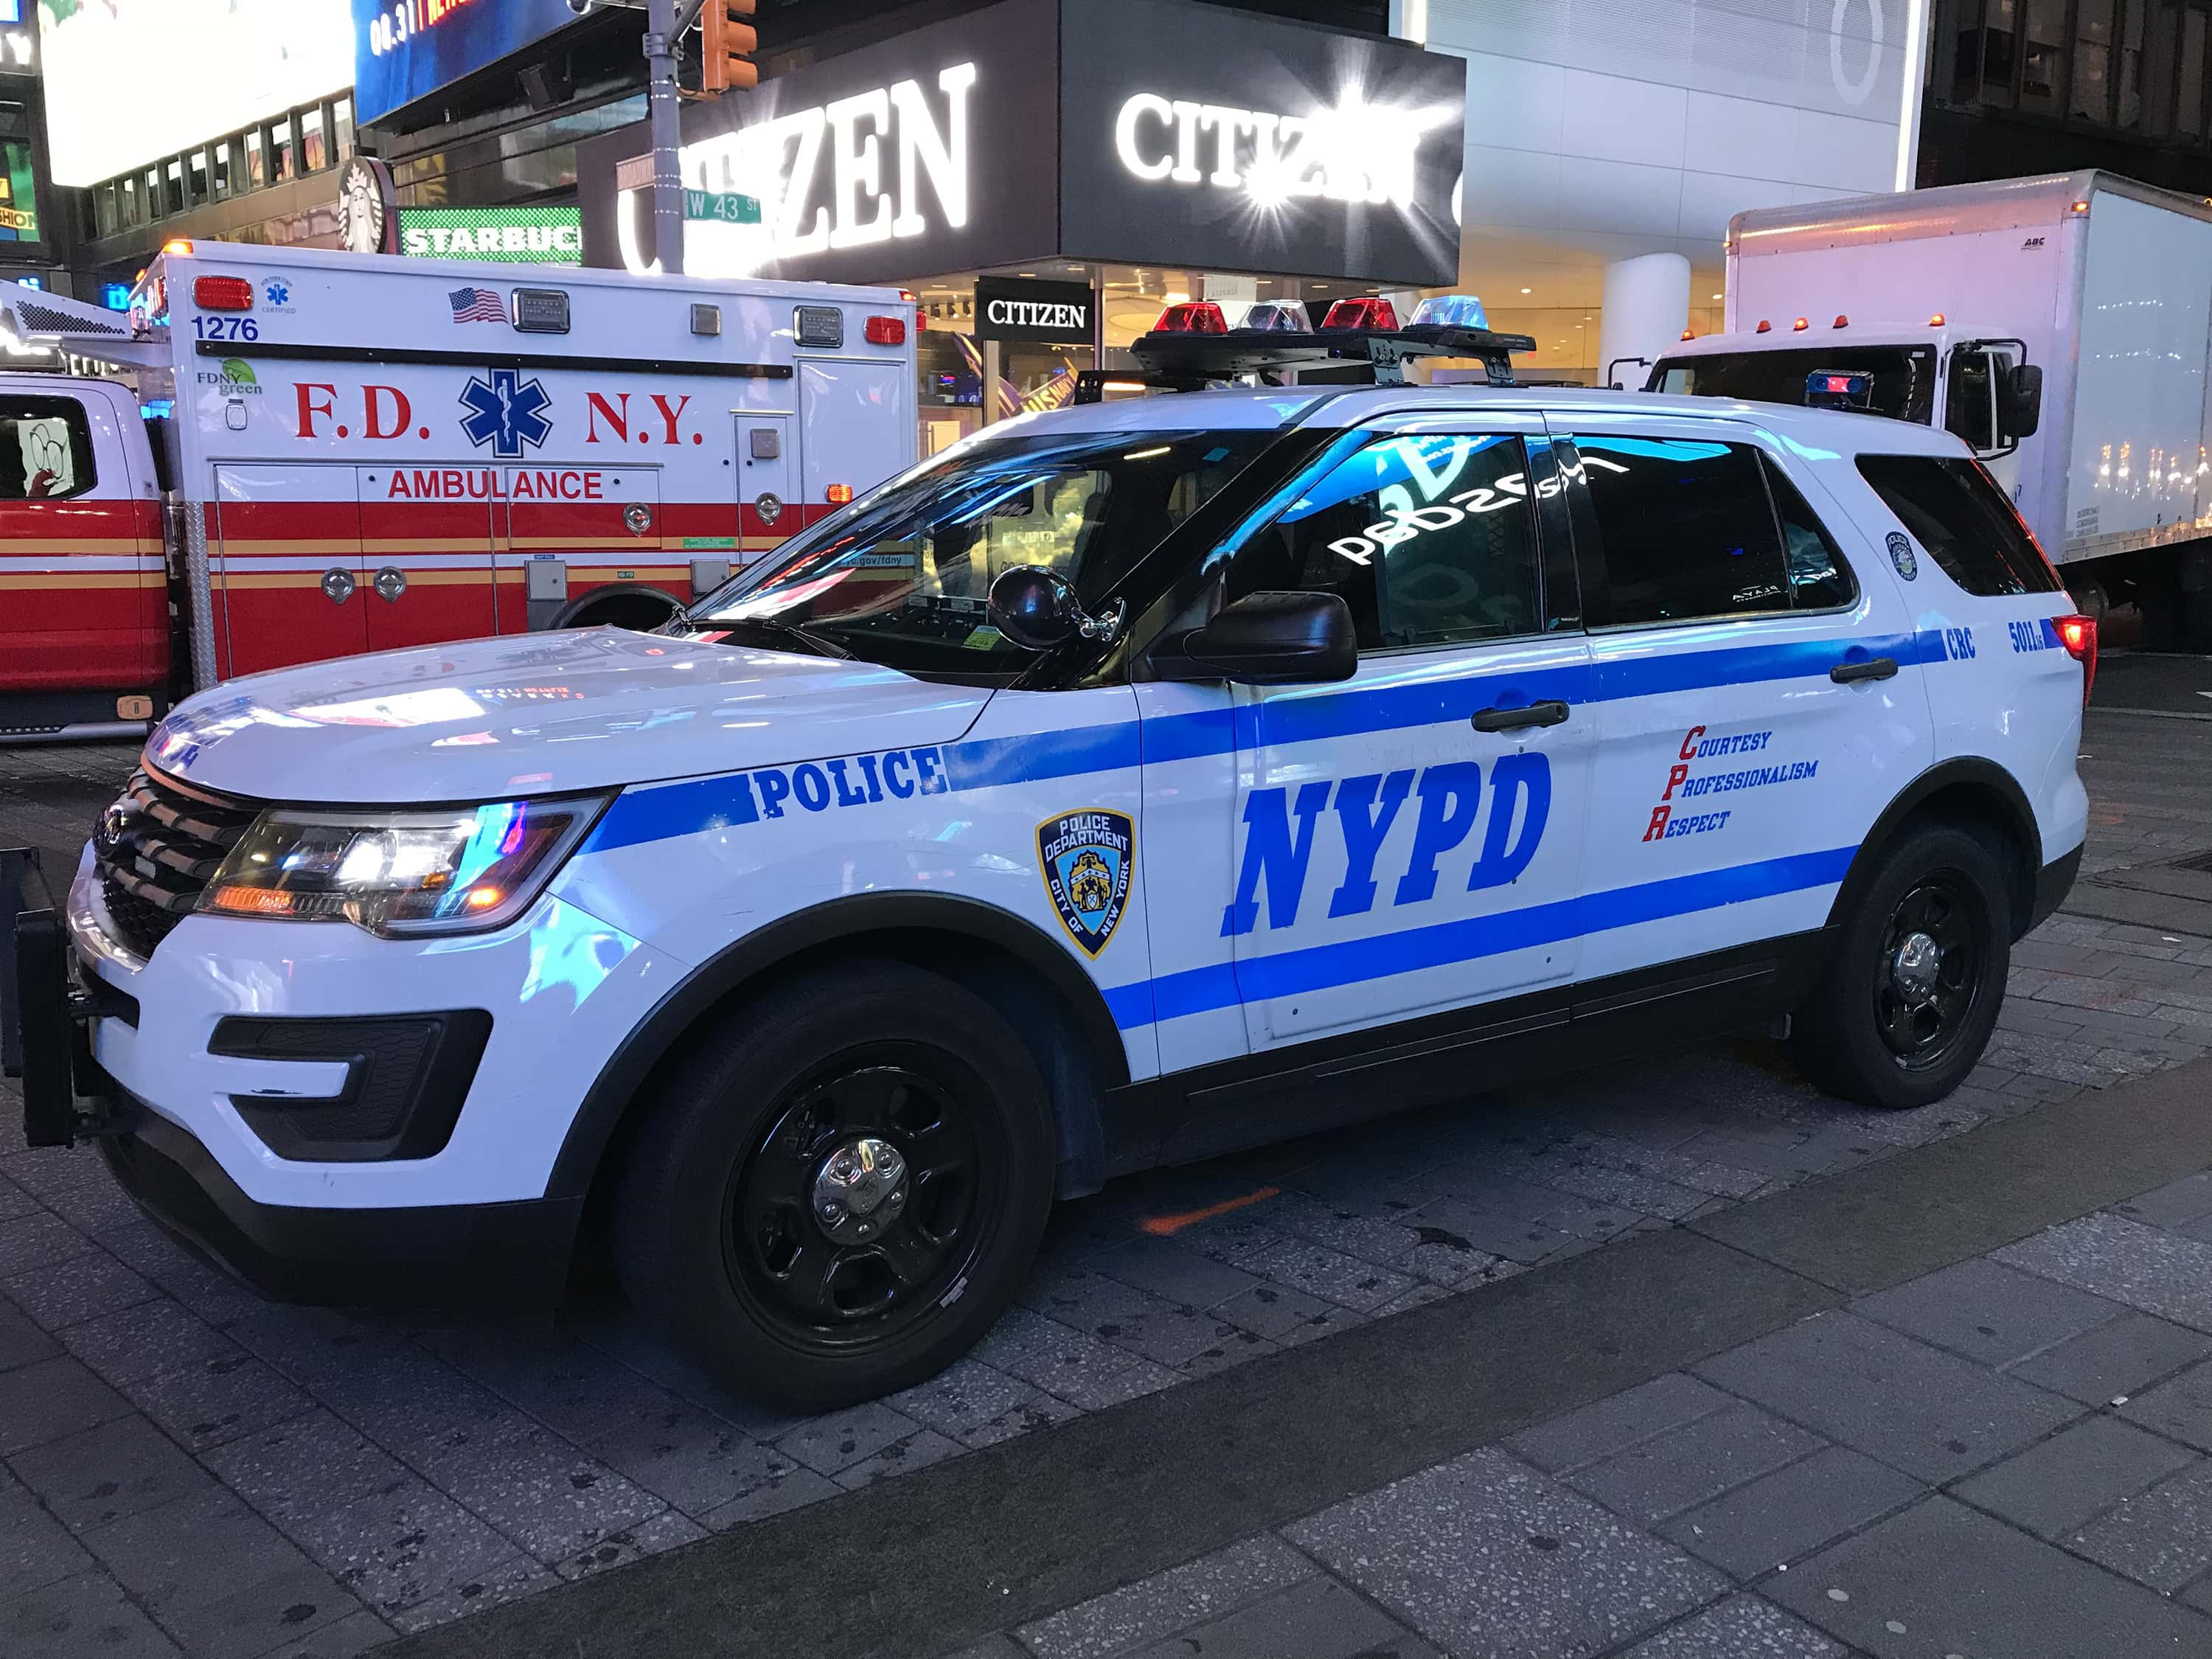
1191,317
1361,313
2078,635
885,330
222,293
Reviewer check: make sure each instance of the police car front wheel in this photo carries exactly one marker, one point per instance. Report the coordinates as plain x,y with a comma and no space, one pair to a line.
1912,988
842,1189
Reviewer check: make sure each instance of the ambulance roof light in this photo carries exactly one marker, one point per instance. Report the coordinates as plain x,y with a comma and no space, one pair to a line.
222,293
1800,326
1369,312
1765,327
1689,334
1191,317
1937,321
177,245
1842,321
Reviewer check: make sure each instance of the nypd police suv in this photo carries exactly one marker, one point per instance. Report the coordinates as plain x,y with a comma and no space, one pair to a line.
1129,784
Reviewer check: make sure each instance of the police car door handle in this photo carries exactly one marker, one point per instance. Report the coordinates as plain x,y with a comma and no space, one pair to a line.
1513,720
1879,668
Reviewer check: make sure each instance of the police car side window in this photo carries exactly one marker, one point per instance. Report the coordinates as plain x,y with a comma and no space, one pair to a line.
1955,511
45,449
1820,576
1685,529
1428,538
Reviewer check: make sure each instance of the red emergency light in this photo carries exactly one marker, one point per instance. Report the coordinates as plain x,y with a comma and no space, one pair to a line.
1840,384
1369,313
222,293
885,330
2078,635
1764,327
1842,321
1191,317
1800,325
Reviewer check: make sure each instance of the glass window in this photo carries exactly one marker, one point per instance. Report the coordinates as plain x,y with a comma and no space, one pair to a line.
280,151
2189,101
2092,98
1685,529
127,192
1966,52
255,170
2043,67
1970,407
1428,539
45,449
313,156
901,576
341,130
1820,576
104,205
195,178
219,172
173,178
1904,377
1956,512
155,195
2000,50
2131,76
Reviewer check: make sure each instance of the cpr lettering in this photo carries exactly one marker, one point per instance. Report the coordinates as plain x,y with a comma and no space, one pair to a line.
859,780
1281,828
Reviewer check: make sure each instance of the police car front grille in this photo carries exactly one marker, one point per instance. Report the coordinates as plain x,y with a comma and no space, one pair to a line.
156,849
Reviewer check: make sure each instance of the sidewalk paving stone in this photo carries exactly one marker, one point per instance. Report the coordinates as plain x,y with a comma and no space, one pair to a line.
101,1474
1987,1313
1484,1553
85,1615
35,1549
1742,1627
2127,1261
1940,1578
1915,1407
1319,1619
2062,1483
2117,1360
2181,1407
2162,1537
1138,1614
1688,1466
51,1398
1778,1519
1613,1425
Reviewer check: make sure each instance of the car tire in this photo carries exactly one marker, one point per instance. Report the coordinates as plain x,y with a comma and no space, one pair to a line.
842,1190
1912,988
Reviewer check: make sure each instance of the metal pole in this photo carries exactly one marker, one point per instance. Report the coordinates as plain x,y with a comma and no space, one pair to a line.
660,36
991,407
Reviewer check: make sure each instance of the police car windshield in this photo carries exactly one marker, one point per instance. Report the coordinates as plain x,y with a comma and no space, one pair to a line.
1904,376
902,577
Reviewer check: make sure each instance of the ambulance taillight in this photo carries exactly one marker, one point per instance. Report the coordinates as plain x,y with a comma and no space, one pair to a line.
222,293
885,330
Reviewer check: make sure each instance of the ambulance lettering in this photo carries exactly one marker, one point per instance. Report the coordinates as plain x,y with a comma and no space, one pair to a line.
384,412
455,483
1445,802
608,418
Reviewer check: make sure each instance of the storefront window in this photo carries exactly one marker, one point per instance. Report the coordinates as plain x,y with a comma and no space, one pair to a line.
280,165
155,195
196,174
173,179
219,173
127,192
341,129
313,157
256,173
106,217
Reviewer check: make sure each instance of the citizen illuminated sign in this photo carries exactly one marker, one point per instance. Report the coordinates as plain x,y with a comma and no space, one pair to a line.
1035,314
1027,132
1359,152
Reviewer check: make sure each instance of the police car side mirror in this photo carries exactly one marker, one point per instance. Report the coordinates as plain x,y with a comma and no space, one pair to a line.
1037,610
2019,402
1269,639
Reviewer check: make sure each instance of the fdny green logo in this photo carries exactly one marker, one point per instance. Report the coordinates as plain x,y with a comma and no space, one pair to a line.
1087,858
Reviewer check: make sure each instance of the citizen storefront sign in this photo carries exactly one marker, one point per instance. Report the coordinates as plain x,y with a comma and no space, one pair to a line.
1019,313
1256,146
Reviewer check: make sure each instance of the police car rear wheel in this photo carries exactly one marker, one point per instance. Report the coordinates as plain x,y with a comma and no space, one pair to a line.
843,1188
1912,991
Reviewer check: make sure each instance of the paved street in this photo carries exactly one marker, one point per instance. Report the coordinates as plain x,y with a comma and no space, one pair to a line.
1677,1357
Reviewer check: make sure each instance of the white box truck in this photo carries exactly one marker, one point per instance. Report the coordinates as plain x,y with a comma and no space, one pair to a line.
2062,326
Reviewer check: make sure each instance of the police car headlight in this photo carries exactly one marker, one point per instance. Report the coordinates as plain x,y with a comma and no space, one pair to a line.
459,870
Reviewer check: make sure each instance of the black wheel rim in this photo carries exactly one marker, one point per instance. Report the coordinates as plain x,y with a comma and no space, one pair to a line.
1929,979
859,1281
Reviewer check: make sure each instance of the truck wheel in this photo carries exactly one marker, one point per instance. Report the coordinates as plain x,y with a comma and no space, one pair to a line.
842,1189
1911,989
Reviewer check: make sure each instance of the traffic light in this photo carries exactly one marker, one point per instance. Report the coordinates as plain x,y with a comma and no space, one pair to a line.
726,42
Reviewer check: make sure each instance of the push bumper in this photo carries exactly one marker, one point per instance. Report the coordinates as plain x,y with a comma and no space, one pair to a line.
511,1255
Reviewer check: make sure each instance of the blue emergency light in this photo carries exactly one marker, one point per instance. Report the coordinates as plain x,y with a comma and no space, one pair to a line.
1450,311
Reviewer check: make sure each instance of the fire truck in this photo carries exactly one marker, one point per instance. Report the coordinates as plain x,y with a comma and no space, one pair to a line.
292,455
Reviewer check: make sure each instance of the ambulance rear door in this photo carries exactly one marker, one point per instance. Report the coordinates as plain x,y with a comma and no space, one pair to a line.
856,425
770,502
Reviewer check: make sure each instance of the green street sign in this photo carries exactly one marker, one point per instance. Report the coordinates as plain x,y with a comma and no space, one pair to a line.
721,208
511,236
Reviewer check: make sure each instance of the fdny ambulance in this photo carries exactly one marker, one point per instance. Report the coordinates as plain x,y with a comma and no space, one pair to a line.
1126,785
364,453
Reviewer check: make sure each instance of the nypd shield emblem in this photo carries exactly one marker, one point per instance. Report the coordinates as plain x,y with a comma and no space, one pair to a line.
1900,555
1087,858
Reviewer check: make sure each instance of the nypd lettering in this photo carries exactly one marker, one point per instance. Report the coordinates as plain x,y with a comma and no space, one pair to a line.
776,792
1087,858
1444,802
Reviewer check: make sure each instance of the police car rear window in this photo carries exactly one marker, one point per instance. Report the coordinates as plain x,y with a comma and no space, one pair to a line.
1955,511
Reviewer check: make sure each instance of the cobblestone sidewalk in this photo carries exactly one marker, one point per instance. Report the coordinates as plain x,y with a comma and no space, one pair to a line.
2005,1458
190,1469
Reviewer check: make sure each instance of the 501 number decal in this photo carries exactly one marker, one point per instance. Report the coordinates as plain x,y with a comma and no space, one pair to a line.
225,328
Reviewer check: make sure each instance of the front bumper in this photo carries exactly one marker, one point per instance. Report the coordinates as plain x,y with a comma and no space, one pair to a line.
513,1254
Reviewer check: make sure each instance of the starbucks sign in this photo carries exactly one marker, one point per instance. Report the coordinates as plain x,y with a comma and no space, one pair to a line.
511,236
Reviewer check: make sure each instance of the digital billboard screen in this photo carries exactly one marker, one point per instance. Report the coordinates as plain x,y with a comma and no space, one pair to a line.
129,82
404,50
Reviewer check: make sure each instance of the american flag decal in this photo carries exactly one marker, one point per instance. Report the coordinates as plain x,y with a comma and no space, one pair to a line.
476,305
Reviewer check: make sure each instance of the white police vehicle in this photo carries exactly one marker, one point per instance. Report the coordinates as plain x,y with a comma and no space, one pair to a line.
1128,784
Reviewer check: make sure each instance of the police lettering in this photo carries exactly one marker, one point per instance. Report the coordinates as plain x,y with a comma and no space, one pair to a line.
1445,803
776,792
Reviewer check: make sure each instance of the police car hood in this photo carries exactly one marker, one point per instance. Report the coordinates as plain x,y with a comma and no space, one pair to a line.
542,713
